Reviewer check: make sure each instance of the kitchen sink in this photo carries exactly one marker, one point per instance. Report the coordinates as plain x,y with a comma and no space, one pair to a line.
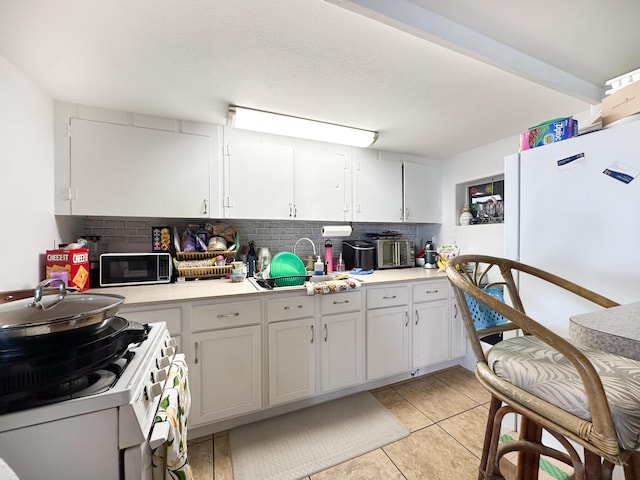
259,285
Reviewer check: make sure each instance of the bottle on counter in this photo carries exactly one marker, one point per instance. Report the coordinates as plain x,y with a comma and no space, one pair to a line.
340,264
318,267
251,260
328,255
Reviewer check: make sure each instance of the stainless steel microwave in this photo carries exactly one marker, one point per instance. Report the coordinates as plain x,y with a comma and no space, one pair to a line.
395,253
118,269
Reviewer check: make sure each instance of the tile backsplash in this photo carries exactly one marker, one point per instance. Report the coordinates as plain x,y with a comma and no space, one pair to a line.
134,234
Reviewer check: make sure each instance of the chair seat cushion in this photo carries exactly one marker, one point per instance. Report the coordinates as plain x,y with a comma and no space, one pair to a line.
532,365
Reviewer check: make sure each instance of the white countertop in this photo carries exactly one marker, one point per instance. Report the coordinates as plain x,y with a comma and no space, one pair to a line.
222,287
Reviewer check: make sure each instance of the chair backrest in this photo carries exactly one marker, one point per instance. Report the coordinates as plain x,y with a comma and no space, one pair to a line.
469,275
472,274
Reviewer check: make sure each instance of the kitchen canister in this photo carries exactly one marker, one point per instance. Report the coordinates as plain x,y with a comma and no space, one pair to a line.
466,216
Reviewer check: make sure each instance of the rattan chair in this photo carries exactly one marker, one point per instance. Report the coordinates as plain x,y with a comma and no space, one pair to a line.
509,374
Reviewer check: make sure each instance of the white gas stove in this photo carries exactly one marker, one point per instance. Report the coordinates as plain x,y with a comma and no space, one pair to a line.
102,435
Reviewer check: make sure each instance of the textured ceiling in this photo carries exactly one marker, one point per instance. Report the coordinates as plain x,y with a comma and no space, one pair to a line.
342,61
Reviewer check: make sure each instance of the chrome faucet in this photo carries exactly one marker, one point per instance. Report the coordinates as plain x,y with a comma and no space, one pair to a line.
308,240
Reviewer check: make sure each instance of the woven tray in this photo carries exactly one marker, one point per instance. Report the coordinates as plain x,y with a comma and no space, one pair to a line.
204,255
205,272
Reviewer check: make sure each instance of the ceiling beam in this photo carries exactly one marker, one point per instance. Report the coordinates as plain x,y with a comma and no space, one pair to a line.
416,20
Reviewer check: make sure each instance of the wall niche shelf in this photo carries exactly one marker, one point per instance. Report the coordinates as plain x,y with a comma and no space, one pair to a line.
484,197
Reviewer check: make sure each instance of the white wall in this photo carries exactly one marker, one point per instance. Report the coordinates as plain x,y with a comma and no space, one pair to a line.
475,164
28,226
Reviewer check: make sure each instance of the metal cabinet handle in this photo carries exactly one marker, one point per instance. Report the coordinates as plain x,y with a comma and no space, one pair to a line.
406,323
204,210
455,310
313,334
340,303
389,298
223,315
417,317
287,307
295,211
290,210
196,353
325,332
432,291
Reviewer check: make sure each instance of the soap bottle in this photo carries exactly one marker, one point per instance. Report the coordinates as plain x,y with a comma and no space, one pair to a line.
251,260
328,255
340,265
318,267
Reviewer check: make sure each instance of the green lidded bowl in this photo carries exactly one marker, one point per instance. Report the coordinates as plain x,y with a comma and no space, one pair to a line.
287,269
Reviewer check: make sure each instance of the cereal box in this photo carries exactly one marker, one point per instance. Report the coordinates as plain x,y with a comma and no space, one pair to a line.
73,263
548,132
161,239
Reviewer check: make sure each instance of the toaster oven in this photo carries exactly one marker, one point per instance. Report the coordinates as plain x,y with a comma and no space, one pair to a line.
394,253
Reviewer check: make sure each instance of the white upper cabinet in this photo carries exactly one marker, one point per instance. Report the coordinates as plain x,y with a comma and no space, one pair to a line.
422,197
377,187
122,170
267,178
322,186
258,179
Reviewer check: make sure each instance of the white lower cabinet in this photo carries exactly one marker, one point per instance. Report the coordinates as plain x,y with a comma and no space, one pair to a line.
292,360
431,330
342,342
225,366
388,332
458,334
292,348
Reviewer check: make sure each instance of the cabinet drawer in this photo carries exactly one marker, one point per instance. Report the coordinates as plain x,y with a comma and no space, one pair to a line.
224,315
427,291
340,302
290,307
387,297
171,316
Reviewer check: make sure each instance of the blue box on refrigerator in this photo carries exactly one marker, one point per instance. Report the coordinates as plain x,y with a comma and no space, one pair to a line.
552,131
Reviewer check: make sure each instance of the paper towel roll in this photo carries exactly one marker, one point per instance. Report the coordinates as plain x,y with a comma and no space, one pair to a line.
336,230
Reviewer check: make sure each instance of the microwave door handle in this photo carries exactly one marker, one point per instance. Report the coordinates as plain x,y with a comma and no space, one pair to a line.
395,254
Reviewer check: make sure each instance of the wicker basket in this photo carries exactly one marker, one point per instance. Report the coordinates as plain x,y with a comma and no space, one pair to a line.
204,271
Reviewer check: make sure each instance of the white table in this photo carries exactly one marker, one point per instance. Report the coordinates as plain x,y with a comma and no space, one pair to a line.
614,330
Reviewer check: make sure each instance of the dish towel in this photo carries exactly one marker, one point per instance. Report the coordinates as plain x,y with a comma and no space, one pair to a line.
174,408
359,271
331,286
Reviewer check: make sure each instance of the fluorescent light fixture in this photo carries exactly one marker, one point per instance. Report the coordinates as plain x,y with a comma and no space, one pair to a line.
267,122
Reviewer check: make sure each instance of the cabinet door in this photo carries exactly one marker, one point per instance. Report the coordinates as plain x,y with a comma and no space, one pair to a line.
430,333
422,198
259,180
342,350
387,342
322,186
458,334
226,373
120,170
378,188
292,360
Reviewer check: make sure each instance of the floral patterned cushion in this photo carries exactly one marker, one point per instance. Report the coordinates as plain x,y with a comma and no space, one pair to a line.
532,365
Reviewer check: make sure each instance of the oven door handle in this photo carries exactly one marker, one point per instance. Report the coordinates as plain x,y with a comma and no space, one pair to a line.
159,434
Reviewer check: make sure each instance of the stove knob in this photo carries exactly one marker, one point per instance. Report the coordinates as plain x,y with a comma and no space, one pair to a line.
169,351
153,390
159,375
171,343
163,362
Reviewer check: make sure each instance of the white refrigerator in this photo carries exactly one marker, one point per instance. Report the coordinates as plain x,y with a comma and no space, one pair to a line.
573,208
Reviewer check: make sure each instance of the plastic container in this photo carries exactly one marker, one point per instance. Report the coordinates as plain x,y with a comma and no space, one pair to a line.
340,264
318,267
